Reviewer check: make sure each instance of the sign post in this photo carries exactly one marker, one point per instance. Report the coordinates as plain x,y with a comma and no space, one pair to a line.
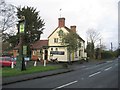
23,48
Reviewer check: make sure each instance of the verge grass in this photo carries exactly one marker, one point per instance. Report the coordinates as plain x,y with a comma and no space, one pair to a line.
7,71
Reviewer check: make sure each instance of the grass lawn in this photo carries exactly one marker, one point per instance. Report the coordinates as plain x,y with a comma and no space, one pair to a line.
7,71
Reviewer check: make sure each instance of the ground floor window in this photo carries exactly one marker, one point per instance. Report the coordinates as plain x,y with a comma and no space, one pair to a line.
76,54
34,52
57,52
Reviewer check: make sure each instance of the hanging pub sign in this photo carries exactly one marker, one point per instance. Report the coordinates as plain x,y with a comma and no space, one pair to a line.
22,27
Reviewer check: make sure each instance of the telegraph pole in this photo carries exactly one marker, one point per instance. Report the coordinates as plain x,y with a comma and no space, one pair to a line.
119,49
111,46
100,50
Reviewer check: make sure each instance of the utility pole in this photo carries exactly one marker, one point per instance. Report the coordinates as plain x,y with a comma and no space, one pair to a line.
119,49
100,50
111,46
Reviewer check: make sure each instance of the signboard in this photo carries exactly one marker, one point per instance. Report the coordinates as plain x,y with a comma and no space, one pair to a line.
24,50
22,27
26,58
57,52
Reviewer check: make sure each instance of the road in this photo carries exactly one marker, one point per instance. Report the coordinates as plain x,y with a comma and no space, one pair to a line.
88,75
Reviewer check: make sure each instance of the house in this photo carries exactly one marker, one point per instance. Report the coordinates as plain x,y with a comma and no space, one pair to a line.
56,50
39,50
53,49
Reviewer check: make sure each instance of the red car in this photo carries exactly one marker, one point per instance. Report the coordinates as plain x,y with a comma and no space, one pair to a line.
7,61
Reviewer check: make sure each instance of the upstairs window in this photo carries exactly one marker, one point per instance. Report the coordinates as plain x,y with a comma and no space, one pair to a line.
55,40
60,40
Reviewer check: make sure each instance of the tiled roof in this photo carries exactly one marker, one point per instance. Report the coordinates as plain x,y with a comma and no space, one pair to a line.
17,47
39,44
67,29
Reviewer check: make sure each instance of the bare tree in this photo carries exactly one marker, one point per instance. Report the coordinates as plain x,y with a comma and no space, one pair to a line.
92,37
7,19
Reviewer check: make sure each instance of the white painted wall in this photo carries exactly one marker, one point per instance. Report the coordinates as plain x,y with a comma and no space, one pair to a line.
55,35
61,58
51,43
65,57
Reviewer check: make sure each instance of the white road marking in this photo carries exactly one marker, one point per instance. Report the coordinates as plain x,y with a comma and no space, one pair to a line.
107,68
94,74
109,61
65,85
83,66
92,67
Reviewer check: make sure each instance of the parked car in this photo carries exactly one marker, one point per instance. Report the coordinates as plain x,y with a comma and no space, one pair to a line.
7,61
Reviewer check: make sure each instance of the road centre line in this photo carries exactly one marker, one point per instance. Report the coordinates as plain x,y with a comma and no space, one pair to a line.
93,66
94,74
65,85
107,68
83,66
109,61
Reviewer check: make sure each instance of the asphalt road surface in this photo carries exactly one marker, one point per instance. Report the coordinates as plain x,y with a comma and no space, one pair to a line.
90,75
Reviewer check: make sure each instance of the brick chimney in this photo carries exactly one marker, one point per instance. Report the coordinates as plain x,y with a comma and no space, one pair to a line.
61,22
73,28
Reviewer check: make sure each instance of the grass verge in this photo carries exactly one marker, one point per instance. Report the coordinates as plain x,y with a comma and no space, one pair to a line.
7,72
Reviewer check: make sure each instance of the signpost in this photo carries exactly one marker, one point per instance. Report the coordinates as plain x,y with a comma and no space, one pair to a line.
23,48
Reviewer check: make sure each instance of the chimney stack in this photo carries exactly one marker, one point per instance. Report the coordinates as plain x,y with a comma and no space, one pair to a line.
61,22
73,28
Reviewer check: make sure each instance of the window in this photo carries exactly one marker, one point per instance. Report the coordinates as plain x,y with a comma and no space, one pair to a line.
76,54
57,52
55,40
60,40
34,52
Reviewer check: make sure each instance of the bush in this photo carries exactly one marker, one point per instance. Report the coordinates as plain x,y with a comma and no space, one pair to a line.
107,54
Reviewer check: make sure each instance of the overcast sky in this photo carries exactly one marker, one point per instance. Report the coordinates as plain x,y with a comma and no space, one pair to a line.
101,15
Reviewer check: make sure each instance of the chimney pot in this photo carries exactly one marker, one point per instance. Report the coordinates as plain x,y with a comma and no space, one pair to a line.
61,22
73,28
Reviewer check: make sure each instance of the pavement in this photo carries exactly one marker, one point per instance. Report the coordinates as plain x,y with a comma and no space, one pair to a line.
20,78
